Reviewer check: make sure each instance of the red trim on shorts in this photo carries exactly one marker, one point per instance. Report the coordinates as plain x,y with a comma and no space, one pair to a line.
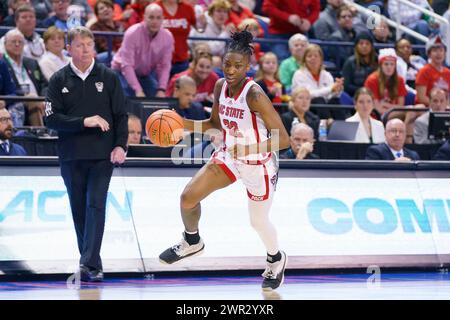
266,196
258,162
240,91
255,126
224,167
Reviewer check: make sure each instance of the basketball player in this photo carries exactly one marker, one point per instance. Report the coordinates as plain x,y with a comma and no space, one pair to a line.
252,131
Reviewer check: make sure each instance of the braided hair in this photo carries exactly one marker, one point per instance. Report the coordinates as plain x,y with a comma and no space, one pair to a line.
241,42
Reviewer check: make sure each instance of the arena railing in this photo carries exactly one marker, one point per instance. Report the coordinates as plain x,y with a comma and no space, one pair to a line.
110,35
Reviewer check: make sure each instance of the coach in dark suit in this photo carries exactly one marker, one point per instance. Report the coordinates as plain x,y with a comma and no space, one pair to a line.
7,148
86,105
443,153
393,148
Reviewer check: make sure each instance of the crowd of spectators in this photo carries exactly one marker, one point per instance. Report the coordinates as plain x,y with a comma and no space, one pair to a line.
160,54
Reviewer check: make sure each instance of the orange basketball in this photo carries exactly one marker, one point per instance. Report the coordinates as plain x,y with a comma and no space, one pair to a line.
164,128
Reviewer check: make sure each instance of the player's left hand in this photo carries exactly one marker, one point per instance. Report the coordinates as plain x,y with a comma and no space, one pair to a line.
238,151
118,155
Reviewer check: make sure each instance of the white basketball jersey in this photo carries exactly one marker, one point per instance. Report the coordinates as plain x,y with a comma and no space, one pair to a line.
240,124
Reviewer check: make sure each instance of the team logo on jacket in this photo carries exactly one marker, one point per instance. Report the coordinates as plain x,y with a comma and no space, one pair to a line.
99,86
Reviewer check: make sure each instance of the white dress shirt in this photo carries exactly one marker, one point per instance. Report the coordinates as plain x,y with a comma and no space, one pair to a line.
81,74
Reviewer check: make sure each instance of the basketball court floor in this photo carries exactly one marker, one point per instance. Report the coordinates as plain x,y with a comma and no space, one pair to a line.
408,285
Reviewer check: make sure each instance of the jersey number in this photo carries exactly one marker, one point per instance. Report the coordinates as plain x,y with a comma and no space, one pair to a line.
233,128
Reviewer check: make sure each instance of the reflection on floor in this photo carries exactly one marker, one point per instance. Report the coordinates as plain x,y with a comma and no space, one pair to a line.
413,285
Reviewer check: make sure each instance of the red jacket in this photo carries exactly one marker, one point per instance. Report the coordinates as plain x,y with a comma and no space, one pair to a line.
279,11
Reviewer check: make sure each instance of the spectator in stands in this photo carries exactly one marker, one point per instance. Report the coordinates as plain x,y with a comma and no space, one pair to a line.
344,33
134,129
239,12
411,17
438,103
434,73
8,148
54,58
327,22
10,20
43,9
440,6
320,83
61,16
185,89
179,18
297,46
27,76
267,77
369,129
26,23
393,148
408,65
381,32
388,88
83,9
299,112
146,49
205,78
104,10
443,153
7,86
360,65
302,144
137,12
288,17
216,27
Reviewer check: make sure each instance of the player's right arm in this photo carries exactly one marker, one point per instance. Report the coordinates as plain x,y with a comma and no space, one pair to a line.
213,122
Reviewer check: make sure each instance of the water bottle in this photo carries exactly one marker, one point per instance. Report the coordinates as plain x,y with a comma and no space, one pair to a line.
323,130
294,122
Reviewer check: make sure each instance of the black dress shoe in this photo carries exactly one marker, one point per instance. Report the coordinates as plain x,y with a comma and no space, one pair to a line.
91,275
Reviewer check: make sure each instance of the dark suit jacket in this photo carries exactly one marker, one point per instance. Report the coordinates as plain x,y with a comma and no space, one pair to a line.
35,74
443,153
14,150
382,152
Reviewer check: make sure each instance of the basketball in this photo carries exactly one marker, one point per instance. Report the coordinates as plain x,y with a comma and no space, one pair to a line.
164,128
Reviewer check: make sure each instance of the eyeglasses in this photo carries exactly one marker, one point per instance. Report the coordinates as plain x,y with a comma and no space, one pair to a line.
5,119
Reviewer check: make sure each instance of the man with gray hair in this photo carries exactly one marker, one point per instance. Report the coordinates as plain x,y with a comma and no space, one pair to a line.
394,147
86,105
146,49
297,46
302,143
28,78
